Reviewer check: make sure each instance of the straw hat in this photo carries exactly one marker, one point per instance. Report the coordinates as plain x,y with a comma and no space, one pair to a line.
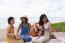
23,17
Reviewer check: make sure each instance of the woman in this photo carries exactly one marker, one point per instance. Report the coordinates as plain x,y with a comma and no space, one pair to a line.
25,28
10,30
10,36
43,29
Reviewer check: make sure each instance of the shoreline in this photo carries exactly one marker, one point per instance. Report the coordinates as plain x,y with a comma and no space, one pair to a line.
3,31
17,23
2,35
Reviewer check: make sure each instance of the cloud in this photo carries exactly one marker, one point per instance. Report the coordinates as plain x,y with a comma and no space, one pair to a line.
53,8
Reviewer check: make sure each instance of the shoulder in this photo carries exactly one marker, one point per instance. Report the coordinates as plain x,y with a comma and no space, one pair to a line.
8,27
20,24
48,23
35,25
29,23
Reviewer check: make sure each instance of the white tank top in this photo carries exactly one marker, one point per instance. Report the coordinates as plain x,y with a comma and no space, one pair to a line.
46,26
46,33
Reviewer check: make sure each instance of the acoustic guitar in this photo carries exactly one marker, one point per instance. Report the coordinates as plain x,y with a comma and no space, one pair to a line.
33,32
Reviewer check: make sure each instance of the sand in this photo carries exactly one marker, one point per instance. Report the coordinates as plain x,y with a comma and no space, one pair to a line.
2,35
60,37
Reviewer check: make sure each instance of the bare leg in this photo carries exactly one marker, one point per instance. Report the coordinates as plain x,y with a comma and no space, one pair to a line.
22,41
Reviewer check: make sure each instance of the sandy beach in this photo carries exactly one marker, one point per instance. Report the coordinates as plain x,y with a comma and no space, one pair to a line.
60,37
2,35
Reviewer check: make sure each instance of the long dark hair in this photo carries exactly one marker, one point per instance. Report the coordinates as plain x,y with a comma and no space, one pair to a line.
41,18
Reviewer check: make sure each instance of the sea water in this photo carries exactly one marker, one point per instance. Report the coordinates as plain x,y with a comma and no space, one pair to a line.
3,23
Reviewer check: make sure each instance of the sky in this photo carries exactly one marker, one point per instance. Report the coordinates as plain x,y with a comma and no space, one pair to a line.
31,8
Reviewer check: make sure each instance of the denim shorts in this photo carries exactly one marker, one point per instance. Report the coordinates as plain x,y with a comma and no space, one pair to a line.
26,38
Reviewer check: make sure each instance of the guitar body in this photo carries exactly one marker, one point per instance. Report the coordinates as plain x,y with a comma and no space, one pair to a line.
33,32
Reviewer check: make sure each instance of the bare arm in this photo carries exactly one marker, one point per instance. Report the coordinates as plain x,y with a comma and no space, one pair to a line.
49,27
29,27
10,34
8,29
40,29
40,32
18,28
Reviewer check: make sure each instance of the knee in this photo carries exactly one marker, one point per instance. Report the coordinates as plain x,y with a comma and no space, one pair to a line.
27,39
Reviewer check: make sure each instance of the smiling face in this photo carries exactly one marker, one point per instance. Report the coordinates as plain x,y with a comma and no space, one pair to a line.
12,21
23,20
44,19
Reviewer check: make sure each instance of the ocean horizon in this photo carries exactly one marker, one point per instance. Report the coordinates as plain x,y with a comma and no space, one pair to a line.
3,22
